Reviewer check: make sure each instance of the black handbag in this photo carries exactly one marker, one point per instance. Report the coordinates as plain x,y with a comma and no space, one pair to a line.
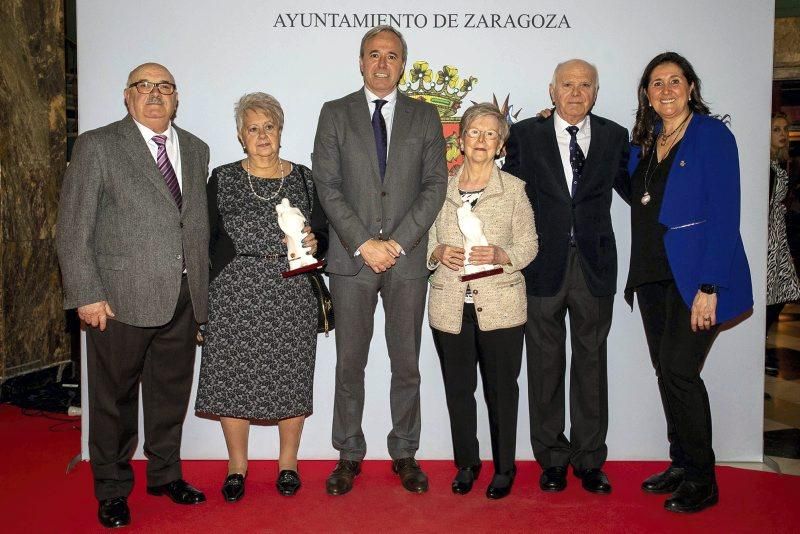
325,318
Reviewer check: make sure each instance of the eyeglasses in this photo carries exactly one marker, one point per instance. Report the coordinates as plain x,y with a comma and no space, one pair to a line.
489,135
146,87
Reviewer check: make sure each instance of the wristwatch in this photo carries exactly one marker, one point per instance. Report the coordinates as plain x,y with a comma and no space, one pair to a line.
708,289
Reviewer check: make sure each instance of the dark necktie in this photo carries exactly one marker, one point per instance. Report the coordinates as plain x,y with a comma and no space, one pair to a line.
576,158
165,167
379,129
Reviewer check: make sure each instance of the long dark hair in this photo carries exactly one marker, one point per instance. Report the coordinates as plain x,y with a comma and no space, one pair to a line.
646,116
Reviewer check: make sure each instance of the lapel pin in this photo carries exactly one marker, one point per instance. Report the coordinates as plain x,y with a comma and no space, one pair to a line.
683,163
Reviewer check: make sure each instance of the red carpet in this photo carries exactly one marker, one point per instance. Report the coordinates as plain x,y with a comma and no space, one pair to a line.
37,496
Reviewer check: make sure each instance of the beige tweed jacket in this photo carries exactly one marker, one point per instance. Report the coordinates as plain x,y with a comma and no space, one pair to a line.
508,222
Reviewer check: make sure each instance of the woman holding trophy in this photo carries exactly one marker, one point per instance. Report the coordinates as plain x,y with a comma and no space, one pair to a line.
483,236
260,341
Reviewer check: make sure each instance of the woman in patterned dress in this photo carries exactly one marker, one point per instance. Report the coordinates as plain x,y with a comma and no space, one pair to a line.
260,341
782,282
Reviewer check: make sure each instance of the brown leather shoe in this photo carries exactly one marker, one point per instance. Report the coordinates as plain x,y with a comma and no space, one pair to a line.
412,477
341,479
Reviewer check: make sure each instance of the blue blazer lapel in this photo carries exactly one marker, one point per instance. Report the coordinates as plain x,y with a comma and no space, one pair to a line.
136,147
362,126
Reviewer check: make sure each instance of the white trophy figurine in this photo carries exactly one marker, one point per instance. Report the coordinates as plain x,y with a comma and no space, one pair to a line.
472,229
292,222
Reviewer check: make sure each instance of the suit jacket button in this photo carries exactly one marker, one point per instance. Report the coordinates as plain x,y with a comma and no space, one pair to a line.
479,309
177,256
383,193
475,292
181,224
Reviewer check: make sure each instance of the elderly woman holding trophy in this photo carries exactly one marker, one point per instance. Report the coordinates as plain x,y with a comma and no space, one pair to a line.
260,341
483,236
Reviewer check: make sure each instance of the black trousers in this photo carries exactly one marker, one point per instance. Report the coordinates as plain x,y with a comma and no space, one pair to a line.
678,354
545,339
773,313
119,359
498,353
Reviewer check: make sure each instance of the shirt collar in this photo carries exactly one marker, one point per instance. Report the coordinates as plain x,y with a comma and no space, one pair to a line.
584,126
148,134
390,98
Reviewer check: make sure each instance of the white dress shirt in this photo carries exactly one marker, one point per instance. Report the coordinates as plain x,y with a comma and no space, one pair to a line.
387,111
173,149
583,136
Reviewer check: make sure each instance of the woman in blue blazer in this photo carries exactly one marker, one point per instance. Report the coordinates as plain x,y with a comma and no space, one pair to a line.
688,265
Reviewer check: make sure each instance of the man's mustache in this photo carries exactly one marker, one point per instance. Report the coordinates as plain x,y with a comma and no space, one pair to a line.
154,100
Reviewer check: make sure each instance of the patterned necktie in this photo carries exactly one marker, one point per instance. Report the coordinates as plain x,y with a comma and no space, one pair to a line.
165,167
576,158
379,129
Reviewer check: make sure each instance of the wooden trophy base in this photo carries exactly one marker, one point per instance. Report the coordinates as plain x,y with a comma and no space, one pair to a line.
301,270
482,274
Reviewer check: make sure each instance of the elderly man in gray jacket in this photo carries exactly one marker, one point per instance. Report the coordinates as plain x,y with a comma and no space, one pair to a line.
132,241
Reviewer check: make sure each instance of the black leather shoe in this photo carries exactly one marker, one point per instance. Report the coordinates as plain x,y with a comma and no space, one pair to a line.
465,477
692,497
288,482
114,513
341,479
180,491
411,475
501,483
233,488
665,481
594,480
553,478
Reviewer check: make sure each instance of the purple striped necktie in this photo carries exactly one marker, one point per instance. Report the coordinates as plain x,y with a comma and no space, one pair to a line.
165,167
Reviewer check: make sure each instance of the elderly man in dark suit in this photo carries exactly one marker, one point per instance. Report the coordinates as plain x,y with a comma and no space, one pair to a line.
132,241
381,185
571,161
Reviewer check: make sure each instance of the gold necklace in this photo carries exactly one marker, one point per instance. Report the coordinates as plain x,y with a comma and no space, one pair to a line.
646,197
665,136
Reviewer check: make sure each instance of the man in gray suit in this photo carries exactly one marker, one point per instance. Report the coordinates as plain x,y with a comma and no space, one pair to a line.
381,186
132,241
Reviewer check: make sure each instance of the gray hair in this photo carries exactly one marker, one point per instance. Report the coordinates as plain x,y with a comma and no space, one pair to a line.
590,65
263,102
379,29
484,109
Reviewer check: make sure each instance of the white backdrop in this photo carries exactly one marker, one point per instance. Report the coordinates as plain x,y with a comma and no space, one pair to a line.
220,50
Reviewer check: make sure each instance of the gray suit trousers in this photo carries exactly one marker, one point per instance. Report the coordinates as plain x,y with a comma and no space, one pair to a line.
355,298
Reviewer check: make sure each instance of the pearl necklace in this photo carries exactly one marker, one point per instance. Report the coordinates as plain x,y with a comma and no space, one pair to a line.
275,194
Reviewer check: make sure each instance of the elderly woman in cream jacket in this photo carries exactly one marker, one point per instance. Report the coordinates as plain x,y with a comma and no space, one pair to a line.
481,322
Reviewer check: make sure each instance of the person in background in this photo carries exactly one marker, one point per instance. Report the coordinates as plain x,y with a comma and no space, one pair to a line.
782,283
